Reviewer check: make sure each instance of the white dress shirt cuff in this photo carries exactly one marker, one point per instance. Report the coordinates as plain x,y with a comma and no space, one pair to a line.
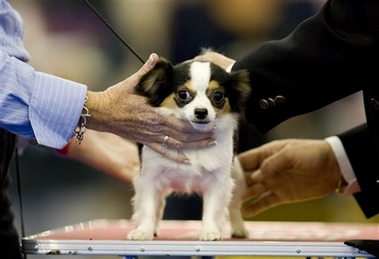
345,166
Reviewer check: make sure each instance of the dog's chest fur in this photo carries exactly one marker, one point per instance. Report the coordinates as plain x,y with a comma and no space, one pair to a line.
206,164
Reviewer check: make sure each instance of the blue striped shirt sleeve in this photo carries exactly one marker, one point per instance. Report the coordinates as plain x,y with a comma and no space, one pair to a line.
38,105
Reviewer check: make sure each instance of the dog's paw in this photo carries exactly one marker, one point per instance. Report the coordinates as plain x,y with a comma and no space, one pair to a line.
240,232
140,235
211,236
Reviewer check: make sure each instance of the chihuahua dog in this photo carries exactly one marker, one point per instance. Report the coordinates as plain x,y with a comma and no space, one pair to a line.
208,97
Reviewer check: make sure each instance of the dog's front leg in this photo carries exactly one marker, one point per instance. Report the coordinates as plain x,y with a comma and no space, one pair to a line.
147,209
238,229
216,198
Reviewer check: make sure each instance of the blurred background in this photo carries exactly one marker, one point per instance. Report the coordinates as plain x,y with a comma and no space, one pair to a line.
67,39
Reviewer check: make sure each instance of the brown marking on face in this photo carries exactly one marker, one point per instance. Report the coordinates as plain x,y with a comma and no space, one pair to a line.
227,109
169,102
190,86
213,85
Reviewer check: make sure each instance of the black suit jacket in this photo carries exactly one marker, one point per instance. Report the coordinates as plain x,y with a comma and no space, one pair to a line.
327,57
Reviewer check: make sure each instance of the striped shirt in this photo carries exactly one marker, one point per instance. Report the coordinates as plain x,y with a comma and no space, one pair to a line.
33,104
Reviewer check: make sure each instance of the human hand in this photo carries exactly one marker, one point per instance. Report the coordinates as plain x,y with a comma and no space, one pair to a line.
120,110
286,171
107,152
216,58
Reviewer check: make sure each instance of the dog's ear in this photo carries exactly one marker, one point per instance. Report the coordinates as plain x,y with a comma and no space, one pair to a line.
240,90
156,83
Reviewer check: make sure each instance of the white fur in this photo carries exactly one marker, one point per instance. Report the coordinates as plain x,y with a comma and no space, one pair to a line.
212,173
200,72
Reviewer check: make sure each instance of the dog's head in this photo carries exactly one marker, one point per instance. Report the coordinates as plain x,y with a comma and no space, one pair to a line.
197,91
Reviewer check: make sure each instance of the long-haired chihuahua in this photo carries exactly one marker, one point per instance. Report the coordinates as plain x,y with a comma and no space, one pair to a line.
208,97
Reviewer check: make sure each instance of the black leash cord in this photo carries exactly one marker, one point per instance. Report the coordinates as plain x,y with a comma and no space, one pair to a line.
20,196
114,31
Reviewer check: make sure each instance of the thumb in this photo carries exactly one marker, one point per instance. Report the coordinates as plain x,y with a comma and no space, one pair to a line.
149,64
131,81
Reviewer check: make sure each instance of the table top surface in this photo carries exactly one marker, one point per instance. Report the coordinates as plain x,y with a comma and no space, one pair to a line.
108,237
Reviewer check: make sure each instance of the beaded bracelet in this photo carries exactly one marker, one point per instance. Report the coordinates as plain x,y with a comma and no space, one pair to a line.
81,127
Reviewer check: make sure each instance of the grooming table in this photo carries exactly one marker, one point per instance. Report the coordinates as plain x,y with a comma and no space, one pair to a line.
180,238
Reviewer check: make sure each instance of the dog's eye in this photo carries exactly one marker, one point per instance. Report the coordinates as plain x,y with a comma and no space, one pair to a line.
218,97
184,95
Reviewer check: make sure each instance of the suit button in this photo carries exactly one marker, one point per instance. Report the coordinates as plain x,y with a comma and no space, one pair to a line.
279,99
264,104
374,104
271,102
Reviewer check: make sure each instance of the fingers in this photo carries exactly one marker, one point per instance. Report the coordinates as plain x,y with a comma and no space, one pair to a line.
254,189
170,147
187,135
262,202
171,143
251,180
182,135
176,125
257,176
259,196
216,58
251,159
169,153
168,134
266,156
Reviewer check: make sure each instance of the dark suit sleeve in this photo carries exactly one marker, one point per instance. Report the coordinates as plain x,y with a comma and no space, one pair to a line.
361,152
326,58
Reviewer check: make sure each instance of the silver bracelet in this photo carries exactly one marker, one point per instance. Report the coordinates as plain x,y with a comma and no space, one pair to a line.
81,127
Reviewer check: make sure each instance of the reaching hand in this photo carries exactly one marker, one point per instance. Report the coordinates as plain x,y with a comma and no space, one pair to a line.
120,110
216,58
107,152
287,171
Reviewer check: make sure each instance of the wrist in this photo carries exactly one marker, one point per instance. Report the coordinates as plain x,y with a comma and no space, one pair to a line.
80,128
94,101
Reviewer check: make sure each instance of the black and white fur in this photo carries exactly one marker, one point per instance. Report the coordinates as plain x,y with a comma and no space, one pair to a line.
207,96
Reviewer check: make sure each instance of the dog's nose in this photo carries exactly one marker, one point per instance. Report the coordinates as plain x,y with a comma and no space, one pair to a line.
201,113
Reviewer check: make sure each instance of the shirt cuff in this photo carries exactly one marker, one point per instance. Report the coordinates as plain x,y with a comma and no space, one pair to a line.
55,108
345,166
